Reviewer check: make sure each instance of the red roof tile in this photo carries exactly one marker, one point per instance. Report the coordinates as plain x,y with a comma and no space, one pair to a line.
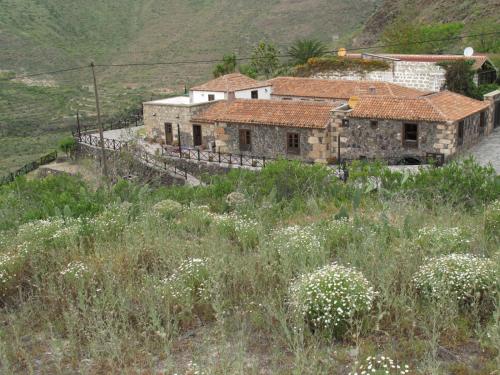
268,112
337,89
438,107
230,82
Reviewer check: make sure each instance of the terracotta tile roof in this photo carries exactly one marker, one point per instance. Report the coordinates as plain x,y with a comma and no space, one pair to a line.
268,112
230,82
479,60
438,107
337,89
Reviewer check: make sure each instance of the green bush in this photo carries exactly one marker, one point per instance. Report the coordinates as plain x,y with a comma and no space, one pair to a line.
331,297
67,145
168,208
492,220
462,277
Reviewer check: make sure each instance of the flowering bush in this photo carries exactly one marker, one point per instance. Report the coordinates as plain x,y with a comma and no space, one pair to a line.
337,232
239,228
492,220
443,239
168,208
460,276
10,269
298,244
109,224
188,281
331,296
380,365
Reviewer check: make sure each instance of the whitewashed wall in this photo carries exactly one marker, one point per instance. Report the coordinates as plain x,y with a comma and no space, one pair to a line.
264,93
202,96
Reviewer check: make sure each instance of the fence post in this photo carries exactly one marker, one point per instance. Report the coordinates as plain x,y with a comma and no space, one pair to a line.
241,159
263,161
230,158
114,144
219,155
198,154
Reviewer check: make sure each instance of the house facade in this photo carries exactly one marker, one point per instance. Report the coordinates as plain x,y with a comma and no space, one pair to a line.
415,71
323,120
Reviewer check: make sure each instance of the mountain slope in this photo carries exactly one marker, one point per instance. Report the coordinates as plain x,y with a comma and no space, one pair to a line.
477,16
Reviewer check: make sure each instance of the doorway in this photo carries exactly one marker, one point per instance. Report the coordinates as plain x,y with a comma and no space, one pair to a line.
197,137
496,123
169,136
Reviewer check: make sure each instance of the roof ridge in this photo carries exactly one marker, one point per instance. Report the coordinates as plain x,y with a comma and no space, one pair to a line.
436,108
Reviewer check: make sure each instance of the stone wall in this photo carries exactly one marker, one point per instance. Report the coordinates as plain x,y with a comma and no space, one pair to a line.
419,75
122,164
156,115
271,141
494,110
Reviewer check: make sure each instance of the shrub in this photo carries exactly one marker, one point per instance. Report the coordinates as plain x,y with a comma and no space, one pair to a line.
380,365
331,297
241,229
168,208
463,277
443,239
67,145
297,245
492,220
188,281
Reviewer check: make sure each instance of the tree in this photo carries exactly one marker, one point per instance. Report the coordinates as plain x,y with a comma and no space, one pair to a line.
228,65
303,49
485,39
68,146
265,59
459,77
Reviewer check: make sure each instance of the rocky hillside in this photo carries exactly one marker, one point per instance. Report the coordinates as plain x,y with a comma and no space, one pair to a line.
476,16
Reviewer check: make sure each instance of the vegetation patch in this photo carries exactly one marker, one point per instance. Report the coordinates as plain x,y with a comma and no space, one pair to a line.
339,64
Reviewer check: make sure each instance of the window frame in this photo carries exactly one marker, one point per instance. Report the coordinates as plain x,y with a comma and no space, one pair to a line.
374,124
211,97
246,136
293,143
412,143
254,94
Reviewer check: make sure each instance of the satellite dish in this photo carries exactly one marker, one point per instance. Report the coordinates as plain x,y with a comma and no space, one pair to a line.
469,51
342,52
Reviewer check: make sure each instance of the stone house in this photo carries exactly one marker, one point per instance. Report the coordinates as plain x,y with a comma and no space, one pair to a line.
296,130
322,120
409,128
416,71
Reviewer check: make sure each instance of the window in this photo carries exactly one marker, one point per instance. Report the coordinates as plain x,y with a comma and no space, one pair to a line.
373,124
211,97
293,143
410,135
345,123
245,140
460,135
168,133
255,94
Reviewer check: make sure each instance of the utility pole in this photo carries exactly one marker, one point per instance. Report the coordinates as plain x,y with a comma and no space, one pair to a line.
101,135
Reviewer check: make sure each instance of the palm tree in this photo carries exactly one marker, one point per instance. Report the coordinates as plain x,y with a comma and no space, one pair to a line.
303,49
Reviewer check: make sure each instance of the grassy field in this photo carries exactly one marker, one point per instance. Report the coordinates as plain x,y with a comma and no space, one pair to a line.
205,280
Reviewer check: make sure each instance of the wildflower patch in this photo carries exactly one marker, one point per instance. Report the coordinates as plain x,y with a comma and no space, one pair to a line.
331,297
463,277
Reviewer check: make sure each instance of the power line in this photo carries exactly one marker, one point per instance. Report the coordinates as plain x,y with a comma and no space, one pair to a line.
211,61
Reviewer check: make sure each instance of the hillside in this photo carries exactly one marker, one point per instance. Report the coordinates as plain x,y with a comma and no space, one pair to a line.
477,16
284,271
39,36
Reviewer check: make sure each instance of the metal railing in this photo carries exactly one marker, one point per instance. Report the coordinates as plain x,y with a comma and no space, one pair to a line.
46,159
216,157
146,157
